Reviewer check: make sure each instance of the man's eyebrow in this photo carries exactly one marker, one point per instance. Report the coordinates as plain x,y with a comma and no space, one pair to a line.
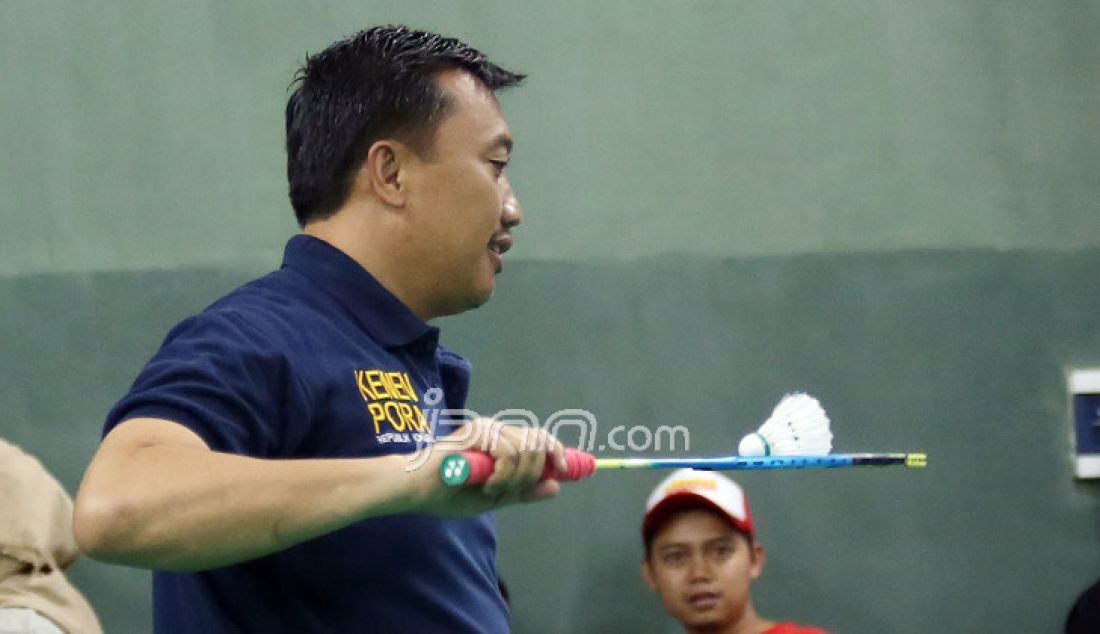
673,546
502,140
726,538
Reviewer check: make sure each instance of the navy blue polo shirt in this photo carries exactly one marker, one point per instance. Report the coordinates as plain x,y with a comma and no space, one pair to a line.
318,360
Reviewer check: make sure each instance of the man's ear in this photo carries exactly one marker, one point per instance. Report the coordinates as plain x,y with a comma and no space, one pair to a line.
382,173
647,575
757,565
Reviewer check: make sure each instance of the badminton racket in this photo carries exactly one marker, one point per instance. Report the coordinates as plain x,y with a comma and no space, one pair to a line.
475,467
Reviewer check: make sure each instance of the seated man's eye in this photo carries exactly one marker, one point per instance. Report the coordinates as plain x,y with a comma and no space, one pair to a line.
720,551
675,559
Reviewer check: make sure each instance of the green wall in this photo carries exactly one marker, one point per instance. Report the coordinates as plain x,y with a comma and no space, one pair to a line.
891,205
148,134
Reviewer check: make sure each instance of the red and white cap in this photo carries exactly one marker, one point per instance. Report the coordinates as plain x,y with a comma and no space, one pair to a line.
688,488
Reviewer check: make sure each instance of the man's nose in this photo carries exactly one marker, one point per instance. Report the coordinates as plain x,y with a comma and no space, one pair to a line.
512,213
699,568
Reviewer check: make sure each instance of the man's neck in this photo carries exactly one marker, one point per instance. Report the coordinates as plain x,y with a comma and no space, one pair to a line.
359,243
749,623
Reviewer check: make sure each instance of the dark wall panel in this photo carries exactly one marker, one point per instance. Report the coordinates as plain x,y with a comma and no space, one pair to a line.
960,354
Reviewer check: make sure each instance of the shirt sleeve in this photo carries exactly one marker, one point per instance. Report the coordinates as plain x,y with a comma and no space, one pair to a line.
224,379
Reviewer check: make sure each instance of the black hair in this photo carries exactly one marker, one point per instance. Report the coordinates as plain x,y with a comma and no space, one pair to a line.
375,84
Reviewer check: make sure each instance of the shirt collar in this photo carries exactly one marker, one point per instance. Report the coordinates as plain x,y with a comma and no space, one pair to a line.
376,309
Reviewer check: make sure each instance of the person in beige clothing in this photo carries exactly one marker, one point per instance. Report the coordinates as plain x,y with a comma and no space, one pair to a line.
36,546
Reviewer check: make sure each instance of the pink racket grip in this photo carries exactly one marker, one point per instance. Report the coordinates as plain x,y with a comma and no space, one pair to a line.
581,464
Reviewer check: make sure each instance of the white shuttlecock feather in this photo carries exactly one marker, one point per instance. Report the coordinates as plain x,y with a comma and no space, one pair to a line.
797,427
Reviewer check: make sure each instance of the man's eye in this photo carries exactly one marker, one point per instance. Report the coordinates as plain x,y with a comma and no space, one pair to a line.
675,559
499,166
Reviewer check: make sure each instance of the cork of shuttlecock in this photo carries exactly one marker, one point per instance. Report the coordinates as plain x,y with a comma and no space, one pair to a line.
797,427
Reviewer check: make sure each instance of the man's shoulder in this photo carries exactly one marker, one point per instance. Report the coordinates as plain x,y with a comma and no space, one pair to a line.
281,312
272,300
259,312
277,287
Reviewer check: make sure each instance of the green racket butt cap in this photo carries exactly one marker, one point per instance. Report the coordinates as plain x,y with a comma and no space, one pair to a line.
455,470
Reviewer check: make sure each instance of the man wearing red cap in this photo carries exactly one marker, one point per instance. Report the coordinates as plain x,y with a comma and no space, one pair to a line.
701,555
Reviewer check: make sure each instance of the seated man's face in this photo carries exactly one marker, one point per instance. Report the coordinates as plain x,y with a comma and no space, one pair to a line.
702,568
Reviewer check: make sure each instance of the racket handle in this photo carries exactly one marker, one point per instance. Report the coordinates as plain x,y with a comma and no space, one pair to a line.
475,467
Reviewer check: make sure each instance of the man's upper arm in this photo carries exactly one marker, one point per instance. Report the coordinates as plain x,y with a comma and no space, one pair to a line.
136,433
226,380
114,461
117,467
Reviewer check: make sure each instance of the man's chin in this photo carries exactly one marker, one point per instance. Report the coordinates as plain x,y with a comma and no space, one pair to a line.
482,300
485,292
702,618
470,302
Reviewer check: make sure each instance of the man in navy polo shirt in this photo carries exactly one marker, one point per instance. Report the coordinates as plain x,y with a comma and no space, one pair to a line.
260,462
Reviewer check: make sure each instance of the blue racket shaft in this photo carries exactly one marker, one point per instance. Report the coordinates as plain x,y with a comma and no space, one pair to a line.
735,463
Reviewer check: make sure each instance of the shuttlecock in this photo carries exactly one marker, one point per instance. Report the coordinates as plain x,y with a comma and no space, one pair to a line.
797,427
